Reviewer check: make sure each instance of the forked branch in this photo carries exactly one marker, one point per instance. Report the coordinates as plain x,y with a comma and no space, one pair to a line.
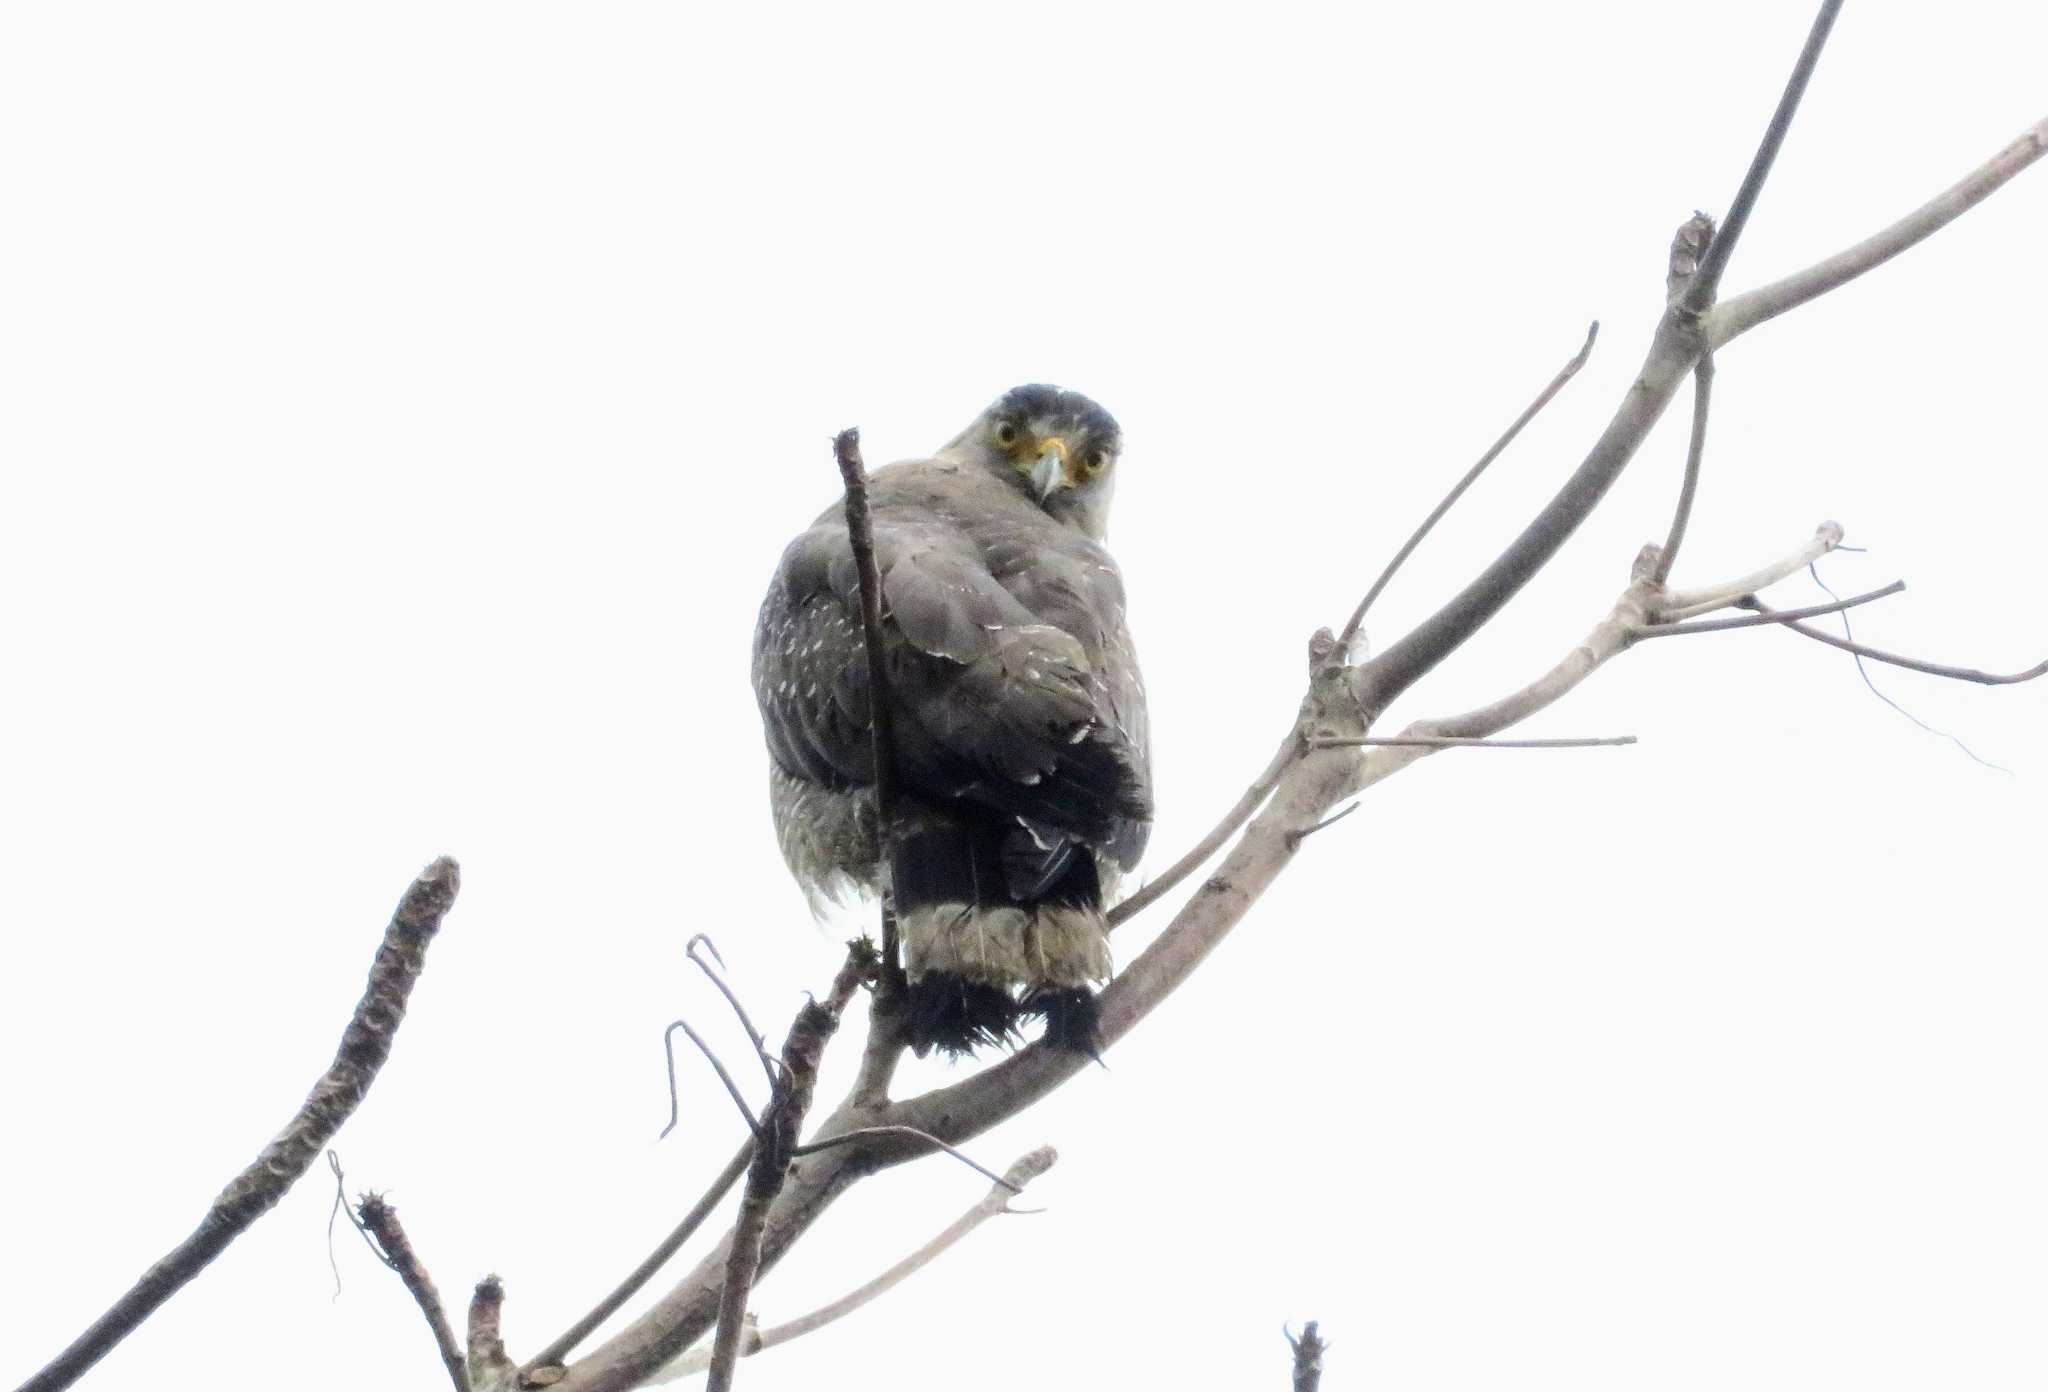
365,1045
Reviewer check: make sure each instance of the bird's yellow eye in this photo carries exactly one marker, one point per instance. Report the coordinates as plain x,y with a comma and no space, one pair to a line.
1005,433
1098,460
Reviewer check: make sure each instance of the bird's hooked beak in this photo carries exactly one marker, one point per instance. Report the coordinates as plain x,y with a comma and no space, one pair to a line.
1050,472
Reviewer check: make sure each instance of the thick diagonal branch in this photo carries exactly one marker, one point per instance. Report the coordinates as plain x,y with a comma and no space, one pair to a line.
365,1045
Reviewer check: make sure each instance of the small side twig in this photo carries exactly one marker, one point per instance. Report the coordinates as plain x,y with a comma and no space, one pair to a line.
1776,616
995,1202
365,1045
1564,375
380,1220
1911,664
1295,838
1308,1356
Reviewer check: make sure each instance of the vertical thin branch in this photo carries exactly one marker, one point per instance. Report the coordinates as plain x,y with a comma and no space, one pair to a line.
781,1126
1700,294
881,719
1702,398
380,1220
365,1045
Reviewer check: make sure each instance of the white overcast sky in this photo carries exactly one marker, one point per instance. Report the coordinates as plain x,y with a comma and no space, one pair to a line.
403,405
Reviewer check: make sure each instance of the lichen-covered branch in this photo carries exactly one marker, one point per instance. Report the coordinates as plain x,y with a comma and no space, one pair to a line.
365,1045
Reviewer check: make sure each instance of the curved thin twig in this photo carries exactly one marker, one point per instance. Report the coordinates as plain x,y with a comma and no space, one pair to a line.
675,1110
870,1132
993,1204
1564,375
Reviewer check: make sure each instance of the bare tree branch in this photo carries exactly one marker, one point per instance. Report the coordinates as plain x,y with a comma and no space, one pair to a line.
717,978
489,1365
1685,604
1339,704
1707,283
1735,317
380,1220
996,1201
1452,742
1254,797
910,1133
881,719
675,1110
774,1148
1308,1357
1911,664
365,1045
1776,616
576,1333
1695,450
1564,375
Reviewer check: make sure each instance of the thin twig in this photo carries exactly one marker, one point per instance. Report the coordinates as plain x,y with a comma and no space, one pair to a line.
1454,742
365,1045
576,1333
717,978
869,1132
380,1220
1295,838
342,1206
1911,664
1744,312
1707,283
1864,672
1696,448
489,1365
1776,616
1308,1357
1564,375
675,1110
881,719
1240,813
995,1202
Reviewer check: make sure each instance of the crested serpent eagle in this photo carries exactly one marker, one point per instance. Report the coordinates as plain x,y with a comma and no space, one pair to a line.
1021,756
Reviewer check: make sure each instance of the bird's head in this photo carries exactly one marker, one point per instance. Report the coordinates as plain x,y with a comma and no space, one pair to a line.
1055,446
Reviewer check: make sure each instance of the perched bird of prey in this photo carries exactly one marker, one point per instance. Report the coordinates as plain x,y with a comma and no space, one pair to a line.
1021,756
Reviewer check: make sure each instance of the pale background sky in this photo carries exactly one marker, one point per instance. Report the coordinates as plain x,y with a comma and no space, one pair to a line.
402,407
